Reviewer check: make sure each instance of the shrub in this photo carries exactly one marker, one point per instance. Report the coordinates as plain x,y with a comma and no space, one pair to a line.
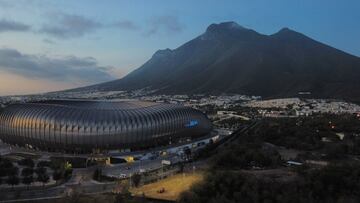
27,162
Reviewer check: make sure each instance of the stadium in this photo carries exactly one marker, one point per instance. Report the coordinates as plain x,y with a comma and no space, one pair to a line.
76,126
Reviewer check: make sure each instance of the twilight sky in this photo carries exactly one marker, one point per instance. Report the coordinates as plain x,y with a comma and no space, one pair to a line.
48,45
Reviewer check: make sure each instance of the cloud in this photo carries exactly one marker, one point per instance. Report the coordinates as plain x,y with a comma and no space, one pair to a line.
125,25
48,41
66,26
12,26
167,24
69,68
5,4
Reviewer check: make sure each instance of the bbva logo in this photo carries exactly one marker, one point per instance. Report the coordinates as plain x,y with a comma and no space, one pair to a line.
192,123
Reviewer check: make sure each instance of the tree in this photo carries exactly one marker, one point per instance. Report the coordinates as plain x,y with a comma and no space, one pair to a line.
27,180
42,175
97,174
27,172
67,173
187,153
44,178
40,171
57,175
5,167
27,162
44,164
181,167
13,171
136,178
6,163
12,180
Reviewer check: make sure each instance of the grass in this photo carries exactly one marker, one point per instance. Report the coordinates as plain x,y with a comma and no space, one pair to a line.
173,186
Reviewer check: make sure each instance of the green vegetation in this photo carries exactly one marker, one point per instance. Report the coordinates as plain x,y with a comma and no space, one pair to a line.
97,174
45,164
309,133
7,168
44,178
330,184
247,155
61,170
27,180
135,179
27,162
231,123
27,172
42,175
252,169
13,180
75,162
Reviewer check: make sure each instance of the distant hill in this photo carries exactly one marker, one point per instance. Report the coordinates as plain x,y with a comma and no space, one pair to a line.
229,58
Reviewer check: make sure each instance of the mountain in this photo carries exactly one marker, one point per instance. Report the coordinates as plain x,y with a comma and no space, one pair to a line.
229,58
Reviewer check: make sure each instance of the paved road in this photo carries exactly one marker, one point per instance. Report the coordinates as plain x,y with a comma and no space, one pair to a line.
78,182
127,169
12,196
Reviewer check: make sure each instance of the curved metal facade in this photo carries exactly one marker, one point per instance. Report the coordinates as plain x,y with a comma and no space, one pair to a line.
82,126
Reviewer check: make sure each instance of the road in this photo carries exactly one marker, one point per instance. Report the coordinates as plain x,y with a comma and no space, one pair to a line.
236,133
131,168
81,182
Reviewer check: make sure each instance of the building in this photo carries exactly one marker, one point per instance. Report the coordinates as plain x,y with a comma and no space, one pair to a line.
84,126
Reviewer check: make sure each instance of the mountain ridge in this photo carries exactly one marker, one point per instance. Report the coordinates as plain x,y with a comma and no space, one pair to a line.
229,58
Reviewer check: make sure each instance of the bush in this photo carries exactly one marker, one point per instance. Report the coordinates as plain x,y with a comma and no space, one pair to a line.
76,162
333,183
44,178
13,171
6,166
27,172
97,174
243,156
27,180
27,162
136,178
44,164
13,180
5,163
57,175
68,173
40,171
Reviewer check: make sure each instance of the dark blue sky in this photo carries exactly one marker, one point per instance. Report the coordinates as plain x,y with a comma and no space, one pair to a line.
334,22
113,37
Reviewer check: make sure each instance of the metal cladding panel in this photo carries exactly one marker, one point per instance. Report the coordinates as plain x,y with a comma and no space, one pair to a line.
85,125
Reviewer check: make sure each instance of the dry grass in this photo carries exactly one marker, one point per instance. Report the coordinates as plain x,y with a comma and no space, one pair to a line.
173,186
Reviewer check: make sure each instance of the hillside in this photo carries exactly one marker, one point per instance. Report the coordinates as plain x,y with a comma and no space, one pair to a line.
229,58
